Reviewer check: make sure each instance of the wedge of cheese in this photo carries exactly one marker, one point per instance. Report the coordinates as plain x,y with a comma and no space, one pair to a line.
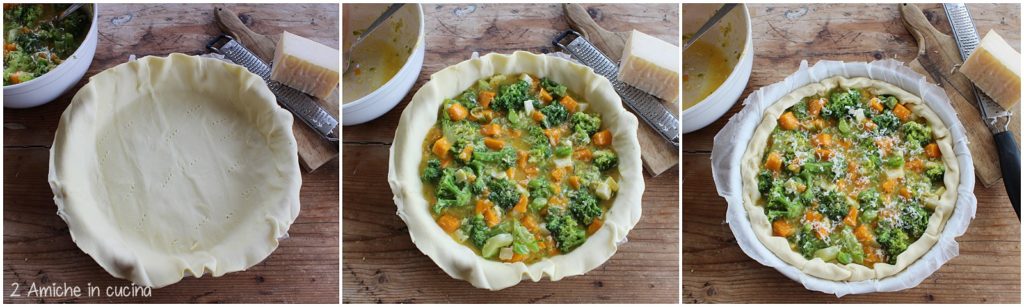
306,65
995,68
651,65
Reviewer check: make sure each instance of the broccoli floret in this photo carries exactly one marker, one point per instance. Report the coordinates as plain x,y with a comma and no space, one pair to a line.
583,206
468,99
477,230
916,133
841,103
585,123
539,188
535,136
554,114
893,240
503,193
539,154
765,181
935,171
460,133
888,101
504,158
915,220
800,109
808,242
832,204
869,199
605,160
511,96
449,193
780,204
556,90
432,173
580,138
567,233
886,122
589,174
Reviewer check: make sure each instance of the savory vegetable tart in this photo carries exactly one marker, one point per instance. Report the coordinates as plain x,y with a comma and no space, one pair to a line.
514,166
849,179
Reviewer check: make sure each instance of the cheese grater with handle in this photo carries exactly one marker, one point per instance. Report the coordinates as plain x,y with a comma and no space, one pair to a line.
967,40
300,104
648,107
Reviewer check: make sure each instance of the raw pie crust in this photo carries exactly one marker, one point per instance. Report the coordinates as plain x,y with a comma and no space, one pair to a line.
163,166
849,272
459,261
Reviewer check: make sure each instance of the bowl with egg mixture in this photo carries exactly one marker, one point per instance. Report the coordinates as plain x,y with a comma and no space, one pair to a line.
385,64
717,66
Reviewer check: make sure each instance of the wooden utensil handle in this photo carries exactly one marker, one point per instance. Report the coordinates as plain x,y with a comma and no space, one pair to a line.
261,45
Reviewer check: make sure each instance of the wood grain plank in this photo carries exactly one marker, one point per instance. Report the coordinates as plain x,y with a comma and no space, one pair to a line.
37,245
715,270
382,265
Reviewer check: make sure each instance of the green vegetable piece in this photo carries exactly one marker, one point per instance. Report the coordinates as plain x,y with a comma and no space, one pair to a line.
563,151
585,123
511,96
494,243
556,90
584,206
567,233
605,160
554,114
503,193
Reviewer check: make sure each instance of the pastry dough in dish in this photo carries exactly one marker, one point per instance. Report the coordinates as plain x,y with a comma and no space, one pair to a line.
458,260
905,189
172,165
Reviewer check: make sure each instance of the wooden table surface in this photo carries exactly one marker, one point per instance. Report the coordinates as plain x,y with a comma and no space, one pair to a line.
381,264
714,267
37,245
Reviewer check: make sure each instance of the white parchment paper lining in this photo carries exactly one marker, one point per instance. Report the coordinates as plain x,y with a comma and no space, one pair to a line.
731,142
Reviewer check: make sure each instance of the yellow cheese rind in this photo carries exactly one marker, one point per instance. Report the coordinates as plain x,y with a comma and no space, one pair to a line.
306,65
651,65
995,69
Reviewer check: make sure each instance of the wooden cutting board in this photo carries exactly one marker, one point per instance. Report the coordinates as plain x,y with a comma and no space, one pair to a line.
657,154
938,59
314,151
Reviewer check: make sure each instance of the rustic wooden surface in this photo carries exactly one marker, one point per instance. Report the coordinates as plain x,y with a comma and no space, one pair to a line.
381,264
714,267
37,246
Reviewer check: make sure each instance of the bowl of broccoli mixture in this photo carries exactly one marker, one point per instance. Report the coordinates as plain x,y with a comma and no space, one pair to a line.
45,55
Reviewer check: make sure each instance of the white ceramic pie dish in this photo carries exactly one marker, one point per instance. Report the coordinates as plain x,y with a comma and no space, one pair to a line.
732,141
459,261
172,165
52,84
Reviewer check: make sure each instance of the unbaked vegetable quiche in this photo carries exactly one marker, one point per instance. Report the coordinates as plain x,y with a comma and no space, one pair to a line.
517,170
512,167
853,178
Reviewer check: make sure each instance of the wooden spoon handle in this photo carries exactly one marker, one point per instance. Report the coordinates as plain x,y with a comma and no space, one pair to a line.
262,45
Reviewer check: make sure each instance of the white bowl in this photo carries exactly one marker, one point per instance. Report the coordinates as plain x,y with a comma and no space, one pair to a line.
387,96
719,102
52,84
